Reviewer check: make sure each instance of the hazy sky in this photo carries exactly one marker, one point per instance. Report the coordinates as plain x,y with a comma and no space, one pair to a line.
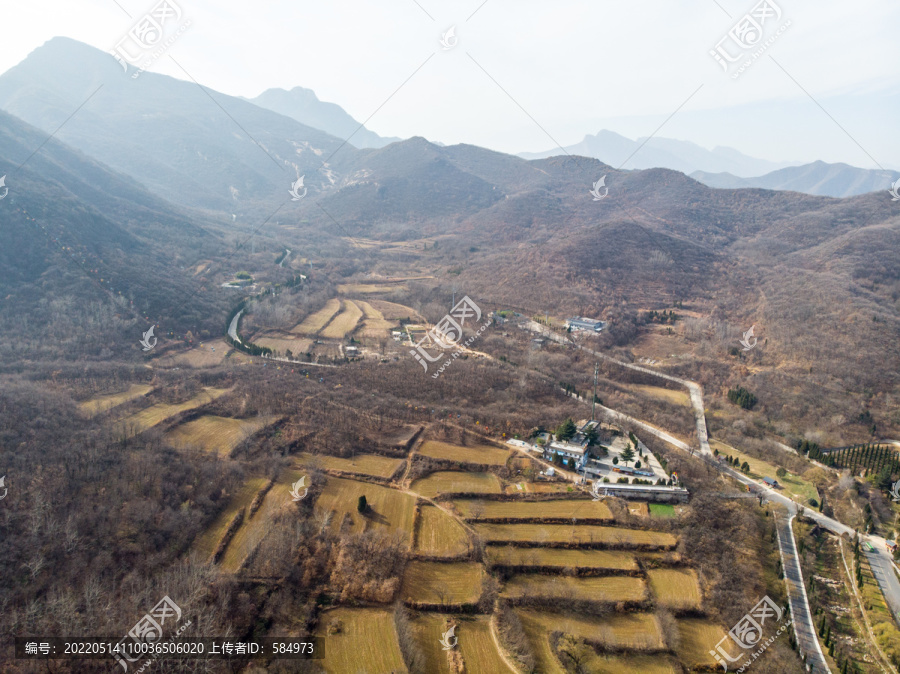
524,70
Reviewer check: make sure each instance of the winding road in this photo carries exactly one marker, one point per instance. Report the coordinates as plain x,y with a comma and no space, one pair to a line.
880,559
804,628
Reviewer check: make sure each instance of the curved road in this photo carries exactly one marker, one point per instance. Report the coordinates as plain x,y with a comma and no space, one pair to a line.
880,559
804,628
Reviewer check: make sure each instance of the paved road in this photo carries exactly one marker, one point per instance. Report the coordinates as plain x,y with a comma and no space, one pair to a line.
232,328
793,576
881,561
693,388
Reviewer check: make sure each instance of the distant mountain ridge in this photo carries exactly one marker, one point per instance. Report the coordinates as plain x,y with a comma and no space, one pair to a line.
678,155
818,178
195,146
304,106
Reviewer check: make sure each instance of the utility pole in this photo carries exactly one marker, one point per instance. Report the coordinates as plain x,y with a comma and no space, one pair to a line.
594,399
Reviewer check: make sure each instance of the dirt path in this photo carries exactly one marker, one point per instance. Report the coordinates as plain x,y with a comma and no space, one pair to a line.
495,635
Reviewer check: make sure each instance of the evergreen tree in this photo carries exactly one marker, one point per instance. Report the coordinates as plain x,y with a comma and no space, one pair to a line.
566,430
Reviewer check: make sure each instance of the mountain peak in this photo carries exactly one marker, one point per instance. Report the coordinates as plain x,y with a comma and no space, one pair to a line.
304,106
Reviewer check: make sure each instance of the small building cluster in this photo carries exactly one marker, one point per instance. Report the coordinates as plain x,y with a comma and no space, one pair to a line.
586,324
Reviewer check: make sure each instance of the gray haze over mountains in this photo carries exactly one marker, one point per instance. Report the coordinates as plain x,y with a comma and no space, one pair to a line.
284,134
304,106
678,155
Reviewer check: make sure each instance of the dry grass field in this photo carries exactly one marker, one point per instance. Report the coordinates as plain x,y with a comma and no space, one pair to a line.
206,354
374,324
393,311
611,588
367,288
632,664
580,509
675,588
428,629
633,631
479,651
538,638
676,397
615,560
366,641
94,406
388,508
254,529
438,534
480,454
697,638
567,533
442,582
344,323
150,417
318,320
282,341
216,434
453,482
365,464
540,488
207,542
538,635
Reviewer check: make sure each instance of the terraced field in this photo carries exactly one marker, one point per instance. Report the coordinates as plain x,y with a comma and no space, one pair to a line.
428,629
632,631
609,588
318,320
344,323
282,342
389,508
207,542
438,534
442,582
632,664
216,434
697,638
94,406
207,354
613,560
392,311
541,488
675,588
368,288
479,651
567,533
578,509
150,417
364,464
374,325
249,535
480,454
366,641
454,482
